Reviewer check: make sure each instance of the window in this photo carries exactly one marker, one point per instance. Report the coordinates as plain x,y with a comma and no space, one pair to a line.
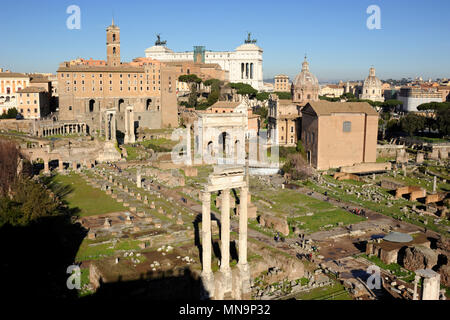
292,129
347,126
70,108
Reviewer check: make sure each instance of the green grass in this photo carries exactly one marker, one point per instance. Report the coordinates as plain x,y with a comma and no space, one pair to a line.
331,217
90,201
395,268
132,152
384,159
160,145
333,292
99,251
294,206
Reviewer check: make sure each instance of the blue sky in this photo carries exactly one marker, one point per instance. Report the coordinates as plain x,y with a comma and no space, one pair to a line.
413,39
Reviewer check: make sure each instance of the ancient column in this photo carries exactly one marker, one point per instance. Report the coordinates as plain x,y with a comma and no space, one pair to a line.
434,184
188,145
60,165
126,127
46,168
207,275
415,295
113,126
129,125
225,240
243,265
138,178
106,126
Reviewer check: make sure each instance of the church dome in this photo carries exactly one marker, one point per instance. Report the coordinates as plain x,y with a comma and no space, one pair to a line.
305,78
372,80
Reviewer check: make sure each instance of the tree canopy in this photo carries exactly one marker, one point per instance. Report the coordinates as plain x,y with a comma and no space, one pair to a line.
243,89
190,78
11,114
412,123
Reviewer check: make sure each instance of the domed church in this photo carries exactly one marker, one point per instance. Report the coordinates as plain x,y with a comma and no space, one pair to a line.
305,87
371,89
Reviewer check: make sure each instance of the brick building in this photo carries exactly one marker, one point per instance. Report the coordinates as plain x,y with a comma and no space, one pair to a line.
33,102
338,134
87,89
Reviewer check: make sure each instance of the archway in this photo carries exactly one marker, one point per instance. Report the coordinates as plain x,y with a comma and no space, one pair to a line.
121,102
148,104
91,105
224,138
210,149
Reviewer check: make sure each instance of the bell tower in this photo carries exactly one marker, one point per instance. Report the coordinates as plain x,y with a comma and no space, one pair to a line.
113,45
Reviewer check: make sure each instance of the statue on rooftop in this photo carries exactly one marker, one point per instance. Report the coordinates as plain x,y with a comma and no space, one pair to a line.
158,40
249,38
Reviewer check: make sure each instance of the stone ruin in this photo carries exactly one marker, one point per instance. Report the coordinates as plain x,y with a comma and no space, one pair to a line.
225,282
275,223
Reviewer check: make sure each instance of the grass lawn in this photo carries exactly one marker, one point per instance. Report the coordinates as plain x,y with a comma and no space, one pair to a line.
384,159
403,274
160,145
87,251
330,217
333,292
294,206
88,200
132,152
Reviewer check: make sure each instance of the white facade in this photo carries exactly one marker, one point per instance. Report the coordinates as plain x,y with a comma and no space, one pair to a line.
410,104
413,97
243,65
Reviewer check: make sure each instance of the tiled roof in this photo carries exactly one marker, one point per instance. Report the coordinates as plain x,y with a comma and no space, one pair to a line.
327,107
12,75
31,90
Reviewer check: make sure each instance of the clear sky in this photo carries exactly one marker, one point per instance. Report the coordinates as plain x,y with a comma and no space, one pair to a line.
413,39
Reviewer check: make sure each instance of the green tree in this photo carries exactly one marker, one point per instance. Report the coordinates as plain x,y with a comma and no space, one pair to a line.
390,105
284,95
190,78
412,123
443,121
214,95
194,82
244,89
192,101
11,114
348,95
262,96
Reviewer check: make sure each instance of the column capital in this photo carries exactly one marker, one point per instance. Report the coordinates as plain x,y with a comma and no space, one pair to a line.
206,196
